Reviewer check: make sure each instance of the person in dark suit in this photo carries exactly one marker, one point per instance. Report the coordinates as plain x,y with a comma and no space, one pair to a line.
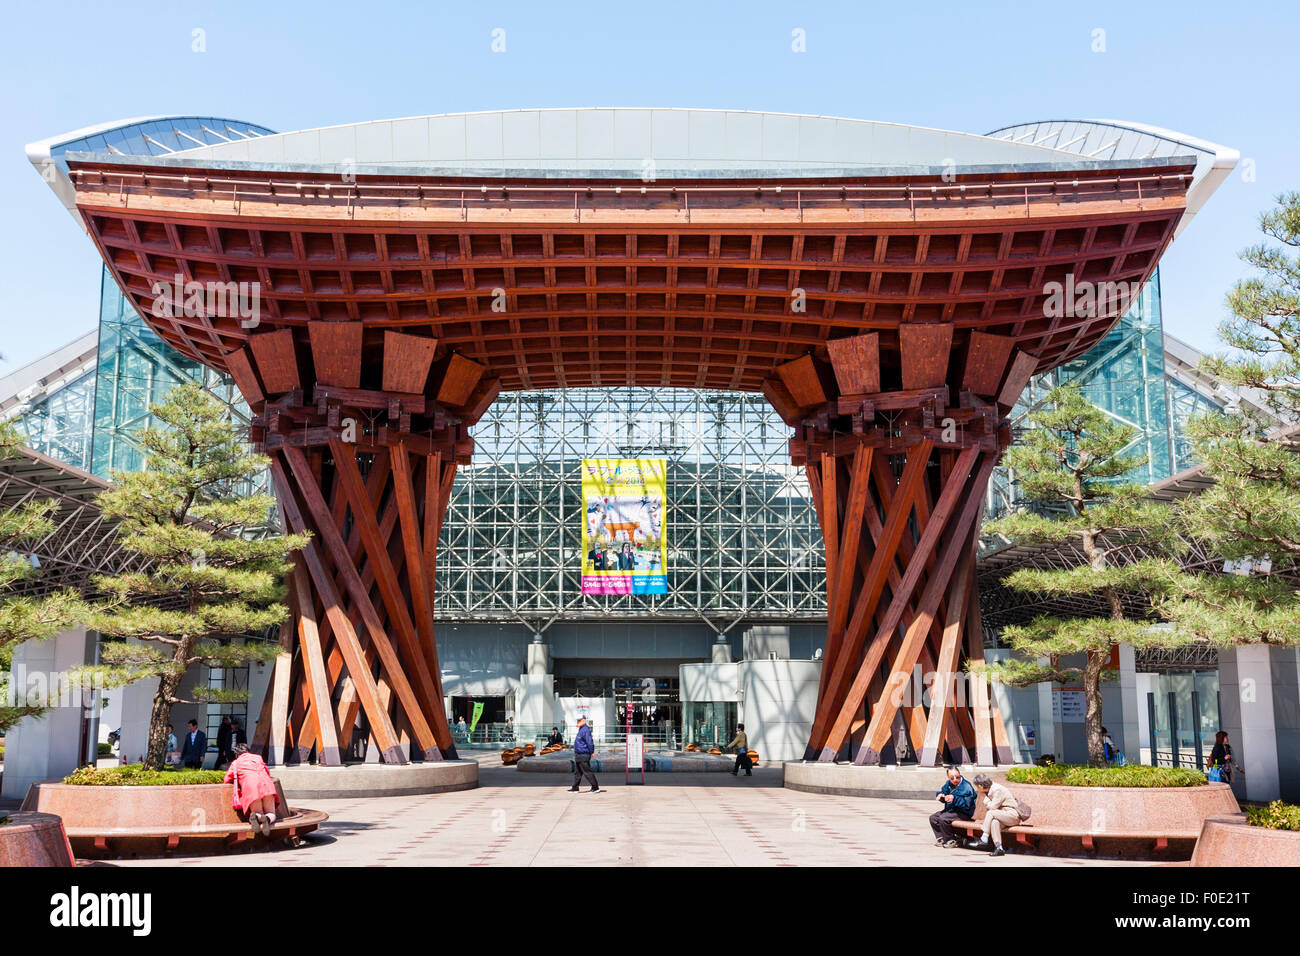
225,753
626,559
237,736
195,747
597,558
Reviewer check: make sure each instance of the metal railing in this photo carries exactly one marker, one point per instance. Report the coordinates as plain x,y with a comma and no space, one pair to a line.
655,736
591,197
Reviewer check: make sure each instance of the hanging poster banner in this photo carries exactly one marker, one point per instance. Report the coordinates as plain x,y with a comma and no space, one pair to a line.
624,545
478,712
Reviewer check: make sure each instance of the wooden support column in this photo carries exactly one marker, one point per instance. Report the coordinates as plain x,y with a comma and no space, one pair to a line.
958,541
344,634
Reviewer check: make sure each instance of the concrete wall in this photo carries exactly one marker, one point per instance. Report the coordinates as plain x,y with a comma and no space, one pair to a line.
778,700
709,682
46,747
1260,699
599,712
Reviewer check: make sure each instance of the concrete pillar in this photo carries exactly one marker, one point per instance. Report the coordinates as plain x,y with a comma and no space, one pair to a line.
1260,693
48,747
779,701
1286,716
539,659
1122,708
765,642
722,651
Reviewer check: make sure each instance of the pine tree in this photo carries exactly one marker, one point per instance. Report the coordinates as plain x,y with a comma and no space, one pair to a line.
1250,517
26,618
1070,466
207,581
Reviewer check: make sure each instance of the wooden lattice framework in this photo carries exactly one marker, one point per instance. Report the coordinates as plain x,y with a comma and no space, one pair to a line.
891,321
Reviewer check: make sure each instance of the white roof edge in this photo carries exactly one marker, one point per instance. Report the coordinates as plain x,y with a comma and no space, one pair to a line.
1221,159
41,153
71,359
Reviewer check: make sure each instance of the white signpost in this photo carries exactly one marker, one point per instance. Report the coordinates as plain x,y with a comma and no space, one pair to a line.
635,757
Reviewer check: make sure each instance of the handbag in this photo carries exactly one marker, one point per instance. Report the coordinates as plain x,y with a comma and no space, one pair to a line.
1023,809
1214,775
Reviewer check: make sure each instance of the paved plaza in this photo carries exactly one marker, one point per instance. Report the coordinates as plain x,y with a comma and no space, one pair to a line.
682,819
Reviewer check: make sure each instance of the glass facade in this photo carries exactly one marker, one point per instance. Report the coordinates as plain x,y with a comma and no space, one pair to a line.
1124,376
709,723
1182,718
137,369
743,539
59,425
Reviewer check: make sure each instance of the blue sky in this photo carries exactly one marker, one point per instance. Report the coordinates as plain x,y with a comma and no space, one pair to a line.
1220,72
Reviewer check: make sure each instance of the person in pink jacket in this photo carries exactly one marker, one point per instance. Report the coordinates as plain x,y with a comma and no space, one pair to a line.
255,795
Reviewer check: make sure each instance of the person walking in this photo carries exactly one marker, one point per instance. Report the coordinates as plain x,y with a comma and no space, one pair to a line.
741,744
583,748
254,790
1001,809
958,803
1221,756
196,747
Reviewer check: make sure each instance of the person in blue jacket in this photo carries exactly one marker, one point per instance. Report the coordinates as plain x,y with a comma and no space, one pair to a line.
957,799
583,748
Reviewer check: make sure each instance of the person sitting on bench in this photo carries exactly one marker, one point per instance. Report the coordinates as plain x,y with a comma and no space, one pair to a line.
1001,809
958,803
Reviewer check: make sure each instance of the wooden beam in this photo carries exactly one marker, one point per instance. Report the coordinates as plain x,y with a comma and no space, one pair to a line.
869,595
344,635
416,665
276,360
420,588
318,686
935,587
924,352
856,361
407,359
336,353
942,690
948,501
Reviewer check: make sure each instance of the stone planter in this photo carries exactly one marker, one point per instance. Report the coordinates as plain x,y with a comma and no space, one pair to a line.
145,821
33,839
1230,841
1123,822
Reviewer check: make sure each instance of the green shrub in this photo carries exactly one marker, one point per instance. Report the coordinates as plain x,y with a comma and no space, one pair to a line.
105,750
1134,775
1276,816
134,775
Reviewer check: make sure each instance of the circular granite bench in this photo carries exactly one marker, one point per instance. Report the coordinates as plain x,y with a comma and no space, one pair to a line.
147,821
1132,822
33,839
1230,841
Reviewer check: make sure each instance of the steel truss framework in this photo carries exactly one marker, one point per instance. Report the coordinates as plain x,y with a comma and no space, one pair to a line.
892,323
743,540
83,542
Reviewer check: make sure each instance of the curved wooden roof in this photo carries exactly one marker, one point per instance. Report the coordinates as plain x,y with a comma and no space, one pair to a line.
458,287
